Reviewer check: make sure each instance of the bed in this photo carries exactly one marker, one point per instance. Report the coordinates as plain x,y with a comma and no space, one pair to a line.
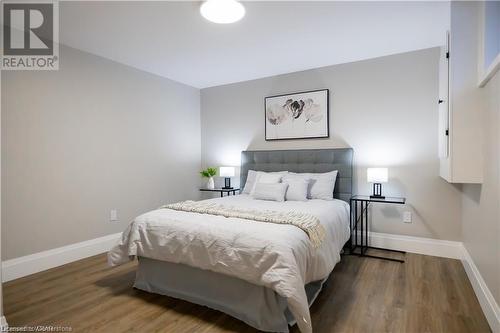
265,274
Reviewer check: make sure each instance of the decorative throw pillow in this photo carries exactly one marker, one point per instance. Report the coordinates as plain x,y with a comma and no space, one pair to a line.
270,191
297,188
266,178
252,177
321,185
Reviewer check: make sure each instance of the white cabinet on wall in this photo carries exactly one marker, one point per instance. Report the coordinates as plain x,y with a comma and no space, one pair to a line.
460,111
444,112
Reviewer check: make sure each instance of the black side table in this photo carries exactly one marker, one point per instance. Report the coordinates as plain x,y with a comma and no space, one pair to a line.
228,191
361,220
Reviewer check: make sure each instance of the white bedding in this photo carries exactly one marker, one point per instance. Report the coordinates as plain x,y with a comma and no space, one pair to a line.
279,257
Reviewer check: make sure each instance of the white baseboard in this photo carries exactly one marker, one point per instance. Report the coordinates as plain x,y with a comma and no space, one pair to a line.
490,307
447,249
420,245
3,324
23,266
37,262
34,263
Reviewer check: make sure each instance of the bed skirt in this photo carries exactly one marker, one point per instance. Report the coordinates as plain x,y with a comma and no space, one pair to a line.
257,306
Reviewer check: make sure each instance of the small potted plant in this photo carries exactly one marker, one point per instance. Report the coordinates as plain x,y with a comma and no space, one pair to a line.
209,173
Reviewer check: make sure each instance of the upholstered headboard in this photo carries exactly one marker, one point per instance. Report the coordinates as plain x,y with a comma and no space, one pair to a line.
304,160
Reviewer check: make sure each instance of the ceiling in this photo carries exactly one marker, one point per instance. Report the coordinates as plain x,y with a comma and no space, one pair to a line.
172,40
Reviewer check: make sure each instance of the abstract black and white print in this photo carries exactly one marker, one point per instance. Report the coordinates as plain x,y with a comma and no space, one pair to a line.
297,116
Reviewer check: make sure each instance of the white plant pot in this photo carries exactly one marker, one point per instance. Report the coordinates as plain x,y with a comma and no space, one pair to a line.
210,183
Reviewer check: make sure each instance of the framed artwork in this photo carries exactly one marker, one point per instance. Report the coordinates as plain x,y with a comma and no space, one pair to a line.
303,115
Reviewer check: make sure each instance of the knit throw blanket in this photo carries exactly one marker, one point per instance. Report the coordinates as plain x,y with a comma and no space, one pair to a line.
308,223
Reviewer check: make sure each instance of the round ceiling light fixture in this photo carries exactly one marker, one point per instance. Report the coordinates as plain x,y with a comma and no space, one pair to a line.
222,11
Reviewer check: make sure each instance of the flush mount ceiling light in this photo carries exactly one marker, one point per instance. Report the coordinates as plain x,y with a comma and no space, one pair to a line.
222,11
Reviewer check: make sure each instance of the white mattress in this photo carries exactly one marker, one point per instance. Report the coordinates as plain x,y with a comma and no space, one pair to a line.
277,256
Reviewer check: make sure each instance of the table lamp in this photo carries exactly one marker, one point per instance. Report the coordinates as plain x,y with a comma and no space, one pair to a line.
227,173
377,176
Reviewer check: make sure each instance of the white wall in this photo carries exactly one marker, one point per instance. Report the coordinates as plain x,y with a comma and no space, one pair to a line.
93,136
384,108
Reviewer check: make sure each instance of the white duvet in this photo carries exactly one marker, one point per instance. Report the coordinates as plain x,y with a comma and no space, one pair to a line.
278,256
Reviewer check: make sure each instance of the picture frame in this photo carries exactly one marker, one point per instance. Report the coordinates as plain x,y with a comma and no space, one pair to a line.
296,116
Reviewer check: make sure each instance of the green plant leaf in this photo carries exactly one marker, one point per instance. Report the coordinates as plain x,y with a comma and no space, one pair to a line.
209,172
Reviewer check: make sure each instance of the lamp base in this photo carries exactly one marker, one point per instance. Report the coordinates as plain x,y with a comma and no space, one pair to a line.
227,184
377,191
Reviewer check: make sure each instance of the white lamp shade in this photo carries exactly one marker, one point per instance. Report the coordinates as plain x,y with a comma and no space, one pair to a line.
377,175
226,171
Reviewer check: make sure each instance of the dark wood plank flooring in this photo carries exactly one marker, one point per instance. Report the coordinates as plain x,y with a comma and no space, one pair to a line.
425,294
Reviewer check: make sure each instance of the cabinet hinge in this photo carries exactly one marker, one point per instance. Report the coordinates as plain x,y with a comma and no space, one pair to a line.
447,55
447,132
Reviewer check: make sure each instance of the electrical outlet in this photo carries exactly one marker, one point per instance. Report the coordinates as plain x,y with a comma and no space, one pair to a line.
113,215
407,217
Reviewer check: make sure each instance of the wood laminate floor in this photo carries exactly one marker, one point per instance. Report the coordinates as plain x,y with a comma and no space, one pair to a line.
425,294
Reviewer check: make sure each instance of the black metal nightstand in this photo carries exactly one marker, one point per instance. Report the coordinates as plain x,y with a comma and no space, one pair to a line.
228,191
363,201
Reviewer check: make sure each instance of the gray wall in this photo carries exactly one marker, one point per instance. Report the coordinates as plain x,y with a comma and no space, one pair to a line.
480,207
481,202
93,136
384,108
1,288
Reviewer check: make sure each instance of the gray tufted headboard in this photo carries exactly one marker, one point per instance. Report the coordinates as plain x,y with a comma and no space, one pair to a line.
304,160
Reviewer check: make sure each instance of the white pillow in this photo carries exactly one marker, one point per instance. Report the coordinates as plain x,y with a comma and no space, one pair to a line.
297,188
250,182
321,185
266,178
268,191
251,179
